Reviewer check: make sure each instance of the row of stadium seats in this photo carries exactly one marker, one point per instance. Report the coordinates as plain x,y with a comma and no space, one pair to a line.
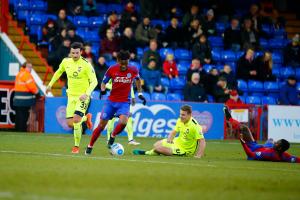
258,86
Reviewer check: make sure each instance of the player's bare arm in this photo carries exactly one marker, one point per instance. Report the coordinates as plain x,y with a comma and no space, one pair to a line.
171,136
200,148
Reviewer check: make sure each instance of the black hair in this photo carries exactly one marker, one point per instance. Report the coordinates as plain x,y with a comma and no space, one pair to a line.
284,144
123,55
76,45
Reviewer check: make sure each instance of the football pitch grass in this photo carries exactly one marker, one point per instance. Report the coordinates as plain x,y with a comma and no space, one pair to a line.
41,167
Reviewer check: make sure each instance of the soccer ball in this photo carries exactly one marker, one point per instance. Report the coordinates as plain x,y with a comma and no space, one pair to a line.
117,149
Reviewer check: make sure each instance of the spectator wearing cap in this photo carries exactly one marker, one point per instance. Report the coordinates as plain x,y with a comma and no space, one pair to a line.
288,94
73,36
170,67
194,91
209,25
144,32
234,98
222,90
152,54
229,75
246,67
292,52
128,42
174,34
62,21
232,36
109,45
201,50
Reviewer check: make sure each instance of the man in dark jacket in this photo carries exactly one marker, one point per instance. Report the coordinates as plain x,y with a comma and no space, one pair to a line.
152,54
194,91
128,42
288,93
232,36
222,90
246,68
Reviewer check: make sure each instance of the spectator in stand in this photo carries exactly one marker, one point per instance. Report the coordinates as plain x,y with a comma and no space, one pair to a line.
222,90
288,94
269,13
159,35
232,36
249,35
169,67
254,15
75,7
58,39
194,90
229,75
234,98
211,81
292,52
209,25
264,65
174,34
128,43
87,54
89,8
113,24
55,58
201,50
109,45
73,36
246,67
129,17
191,15
152,54
196,67
49,31
144,32
152,78
192,33
62,22
100,69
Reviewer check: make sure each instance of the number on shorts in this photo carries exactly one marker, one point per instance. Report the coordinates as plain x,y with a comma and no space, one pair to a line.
83,105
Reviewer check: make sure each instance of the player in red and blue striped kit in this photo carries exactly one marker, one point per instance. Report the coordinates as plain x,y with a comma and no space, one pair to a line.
270,151
118,103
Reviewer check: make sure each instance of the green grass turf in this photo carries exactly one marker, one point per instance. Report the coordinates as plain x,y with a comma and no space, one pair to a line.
40,166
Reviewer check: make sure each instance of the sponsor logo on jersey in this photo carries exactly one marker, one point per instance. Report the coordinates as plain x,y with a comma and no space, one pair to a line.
129,75
122,80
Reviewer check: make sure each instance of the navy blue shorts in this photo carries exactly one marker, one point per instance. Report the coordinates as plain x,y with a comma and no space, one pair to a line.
114,109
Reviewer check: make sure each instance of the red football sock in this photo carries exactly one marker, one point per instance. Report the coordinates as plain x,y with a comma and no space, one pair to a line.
95,135
119,128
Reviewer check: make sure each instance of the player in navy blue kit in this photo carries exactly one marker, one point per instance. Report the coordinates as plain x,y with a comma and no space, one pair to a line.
118,103
270,151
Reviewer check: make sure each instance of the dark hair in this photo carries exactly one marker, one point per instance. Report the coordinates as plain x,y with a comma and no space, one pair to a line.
186,108
284,144
25,64
123,55
76,45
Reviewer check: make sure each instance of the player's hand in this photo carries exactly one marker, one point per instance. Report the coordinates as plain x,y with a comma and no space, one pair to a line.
83,97
170,141
141,97
197,156
48,89
242,138
133,101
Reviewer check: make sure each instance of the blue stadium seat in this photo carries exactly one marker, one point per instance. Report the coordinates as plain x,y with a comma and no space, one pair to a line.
38,5
22,14
174,97
268,100
275,95
255,86
164,51
220,27
276,72
216,41
239,54
111,62
276,43
259,53
253,100
36,30
242,85
243,98
216,54
92,36
35,19
50,16
164,24
208,67
22,5
271,86
177,83
279,33
81,21
286,72
183,67
277,58
114,7
136,64
183,54
228,56
101,8
95,22
140,52
298,73
82,33
266,28
210,99
145,94
298,87
158,96
264,43
165,81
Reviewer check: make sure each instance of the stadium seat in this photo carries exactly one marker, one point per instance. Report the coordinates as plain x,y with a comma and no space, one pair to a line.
36,19
114,8
50,16
92,36
268,100
255,86
81,21
95,22
38,5
276,43
22,5
243,98
298,73
210,99
286,72
266,28
216,54
183,54
136,64
298,87
228,56
145,94
276,72
183,67
82,33
271,86
242,85
101,8
164,51
239,54
158,96
177,83
208,67
264,43
220,27
216,41
174,97
253,100
36,30
22,15
140,52
165,81
279,33
277,58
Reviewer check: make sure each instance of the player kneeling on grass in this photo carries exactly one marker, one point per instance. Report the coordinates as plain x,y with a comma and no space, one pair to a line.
270,151
190,140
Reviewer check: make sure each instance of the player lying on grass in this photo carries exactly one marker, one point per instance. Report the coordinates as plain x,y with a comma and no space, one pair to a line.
190,140
270,151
